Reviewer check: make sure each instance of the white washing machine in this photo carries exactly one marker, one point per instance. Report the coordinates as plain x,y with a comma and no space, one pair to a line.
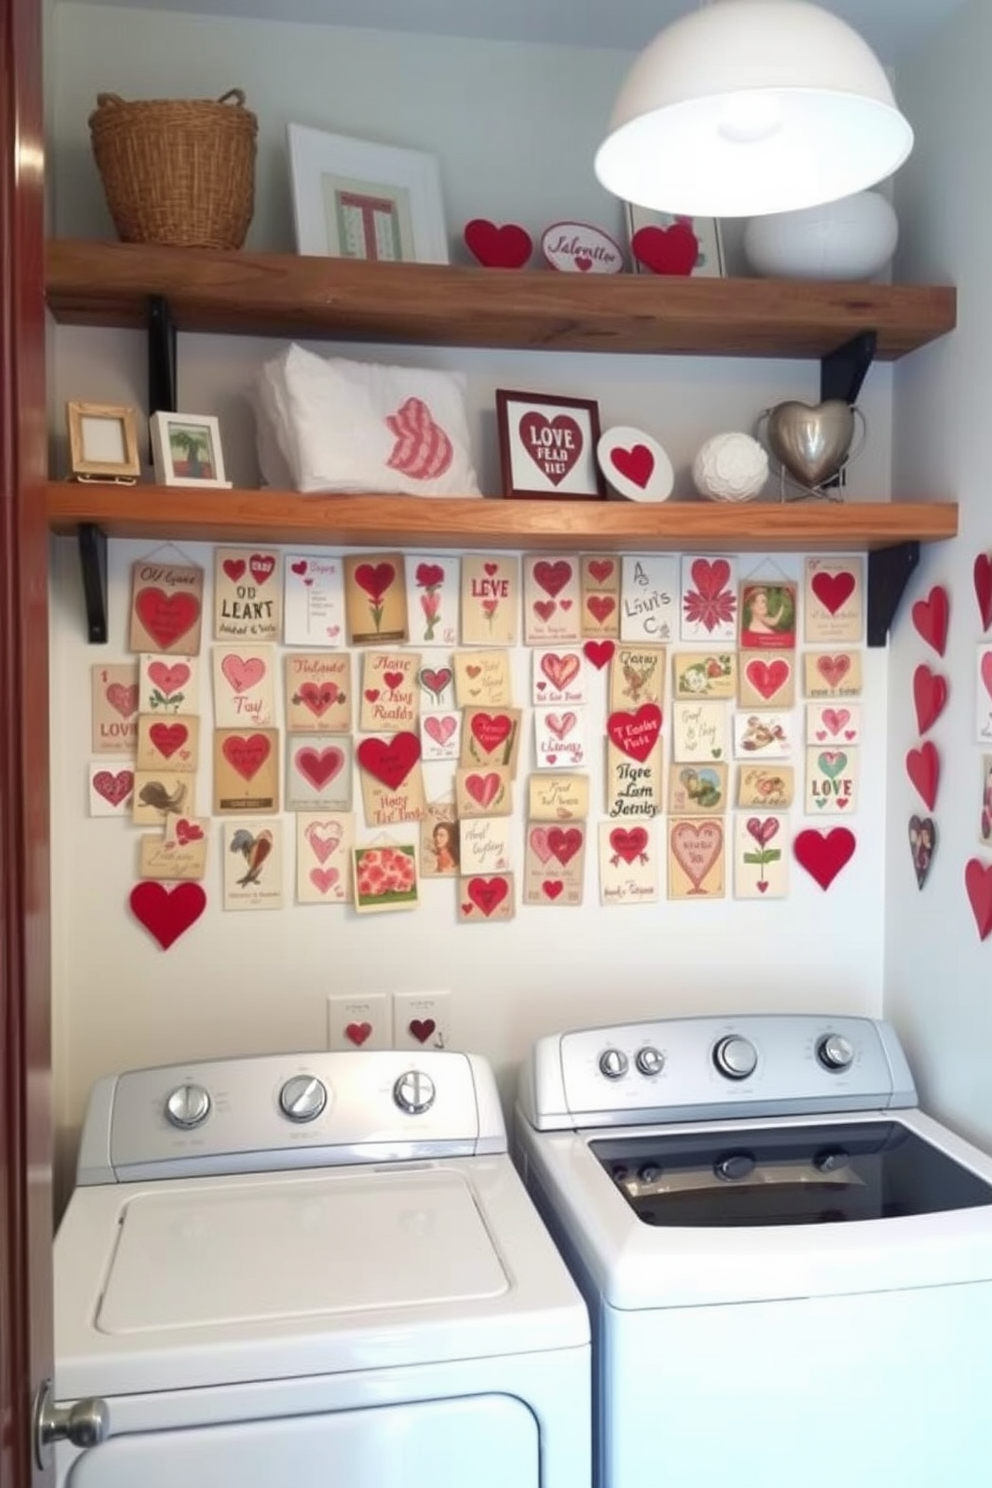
787,1263
317,1269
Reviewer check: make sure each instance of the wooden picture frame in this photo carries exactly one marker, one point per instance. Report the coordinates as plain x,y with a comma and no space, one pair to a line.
186,450
547,446
103,442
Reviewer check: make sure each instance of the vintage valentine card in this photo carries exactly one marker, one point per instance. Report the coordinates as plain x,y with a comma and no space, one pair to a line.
490,736
246,771
437,689
768,616
166,608
554,864
313,600
375,599
490,600
318,692
559,738
634,762
114,710
440,736
761,857
318,772
440,840
253,865
833,601
161,793
628,864
390,691
770,786
432,589
831,723
649,597
247,595
392,779
765,681
359,1022
558,677
244,686
599,582
167,743
168,684
557,797
637,675
832,673
385,877
700,732
983,694
111,789
485,844
323,857
552,600
482,679
487,791
697,790
696,859
179,853
708,609
831,781
704,674
763,735
483,897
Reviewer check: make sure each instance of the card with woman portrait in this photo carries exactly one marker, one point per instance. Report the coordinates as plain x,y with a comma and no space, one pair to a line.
768,616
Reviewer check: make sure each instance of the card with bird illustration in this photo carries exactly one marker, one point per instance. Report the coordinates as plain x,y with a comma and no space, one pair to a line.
253,865
636,676
161,793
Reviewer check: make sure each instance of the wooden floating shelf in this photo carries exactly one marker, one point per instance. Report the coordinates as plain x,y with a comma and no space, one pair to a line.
110,284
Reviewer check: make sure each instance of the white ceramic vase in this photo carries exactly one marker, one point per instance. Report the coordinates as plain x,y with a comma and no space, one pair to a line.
853,238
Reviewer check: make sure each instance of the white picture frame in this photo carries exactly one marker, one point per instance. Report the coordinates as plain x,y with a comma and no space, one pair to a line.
709,263
186,450
356,199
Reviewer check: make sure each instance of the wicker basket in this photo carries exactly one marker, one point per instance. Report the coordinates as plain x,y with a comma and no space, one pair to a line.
177,171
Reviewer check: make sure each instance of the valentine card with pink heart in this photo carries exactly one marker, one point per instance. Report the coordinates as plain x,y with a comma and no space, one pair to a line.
629,864
323,857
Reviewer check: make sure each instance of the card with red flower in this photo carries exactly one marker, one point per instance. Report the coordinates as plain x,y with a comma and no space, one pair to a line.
432,600
708,608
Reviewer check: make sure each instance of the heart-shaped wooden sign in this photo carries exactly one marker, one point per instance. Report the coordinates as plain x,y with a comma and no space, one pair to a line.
635,465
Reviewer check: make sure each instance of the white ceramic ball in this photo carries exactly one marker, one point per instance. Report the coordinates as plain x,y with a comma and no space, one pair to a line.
730,467
853,238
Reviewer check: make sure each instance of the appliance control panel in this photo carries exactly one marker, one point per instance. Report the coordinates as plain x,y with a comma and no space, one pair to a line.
283,1111
691,1069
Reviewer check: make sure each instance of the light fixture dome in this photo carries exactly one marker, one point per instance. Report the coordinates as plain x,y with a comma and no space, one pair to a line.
752,106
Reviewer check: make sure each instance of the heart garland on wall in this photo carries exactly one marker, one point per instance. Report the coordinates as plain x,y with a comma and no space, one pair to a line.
930,617
983,588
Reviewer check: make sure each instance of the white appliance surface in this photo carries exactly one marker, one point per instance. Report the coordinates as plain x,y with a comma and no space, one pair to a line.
373,1298
820,1309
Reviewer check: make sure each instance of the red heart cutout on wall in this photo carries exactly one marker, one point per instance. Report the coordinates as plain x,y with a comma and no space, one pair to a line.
666,250
929,696
599,652
923,769
824,854
167,913
930,618
978,882
505,247
983,588
422,1028
358,1033
389,760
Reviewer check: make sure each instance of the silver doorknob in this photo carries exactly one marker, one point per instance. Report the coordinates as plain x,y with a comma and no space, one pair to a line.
84,1423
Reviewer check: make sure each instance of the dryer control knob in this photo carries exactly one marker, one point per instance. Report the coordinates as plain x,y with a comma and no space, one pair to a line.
650,1061
302,1098
188,1106
414,1092
735,1057
613,1064
835,1052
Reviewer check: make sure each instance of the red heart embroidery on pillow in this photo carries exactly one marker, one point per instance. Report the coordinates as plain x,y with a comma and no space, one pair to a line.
666,250
422,450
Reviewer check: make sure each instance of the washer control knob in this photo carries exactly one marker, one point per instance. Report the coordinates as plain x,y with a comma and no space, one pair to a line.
650,1061
414,1092
302,1098
188,1106
735,1057
835,1052
613,1064
734,1166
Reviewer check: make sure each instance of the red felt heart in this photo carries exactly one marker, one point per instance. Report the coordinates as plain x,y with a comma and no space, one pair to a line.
832,589
983,588
422,1028
824,854
666,250
978,882
929,696
487,894
390,760
167,913
357,1033
635,734
636,464
930,617
599,653
923,769
166,617
505,247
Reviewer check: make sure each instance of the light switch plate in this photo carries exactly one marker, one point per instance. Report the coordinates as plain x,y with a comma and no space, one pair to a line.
359,1022
422,1020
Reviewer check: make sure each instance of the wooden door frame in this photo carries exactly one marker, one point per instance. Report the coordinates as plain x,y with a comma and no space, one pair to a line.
25,1058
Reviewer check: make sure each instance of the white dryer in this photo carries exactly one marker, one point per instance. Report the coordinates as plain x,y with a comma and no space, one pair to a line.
788,1264
313,1269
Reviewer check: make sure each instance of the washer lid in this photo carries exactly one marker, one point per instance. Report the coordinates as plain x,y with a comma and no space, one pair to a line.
258,1251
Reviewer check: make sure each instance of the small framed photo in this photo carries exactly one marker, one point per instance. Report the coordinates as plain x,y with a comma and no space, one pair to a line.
355,199
103,442
547,446
657,253
186,450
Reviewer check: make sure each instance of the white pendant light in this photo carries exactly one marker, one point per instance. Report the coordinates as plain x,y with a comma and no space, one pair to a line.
751,106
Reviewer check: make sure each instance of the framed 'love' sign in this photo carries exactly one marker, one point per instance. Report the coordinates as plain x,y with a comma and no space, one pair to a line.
548,446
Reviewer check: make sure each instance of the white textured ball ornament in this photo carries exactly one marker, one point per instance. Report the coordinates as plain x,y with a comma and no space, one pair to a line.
852,238
730,467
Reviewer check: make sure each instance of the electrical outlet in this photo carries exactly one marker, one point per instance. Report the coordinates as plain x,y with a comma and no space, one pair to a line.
359,1022
421,1020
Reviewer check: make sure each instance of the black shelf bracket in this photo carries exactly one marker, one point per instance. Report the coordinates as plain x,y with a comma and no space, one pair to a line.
93,564
161,357
889,571
842,371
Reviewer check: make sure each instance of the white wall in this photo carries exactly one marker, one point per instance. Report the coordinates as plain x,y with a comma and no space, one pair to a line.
515,129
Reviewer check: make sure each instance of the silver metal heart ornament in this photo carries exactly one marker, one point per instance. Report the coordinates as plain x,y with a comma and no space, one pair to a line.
811,442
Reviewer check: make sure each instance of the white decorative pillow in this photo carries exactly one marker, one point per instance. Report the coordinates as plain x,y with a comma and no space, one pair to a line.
357,426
